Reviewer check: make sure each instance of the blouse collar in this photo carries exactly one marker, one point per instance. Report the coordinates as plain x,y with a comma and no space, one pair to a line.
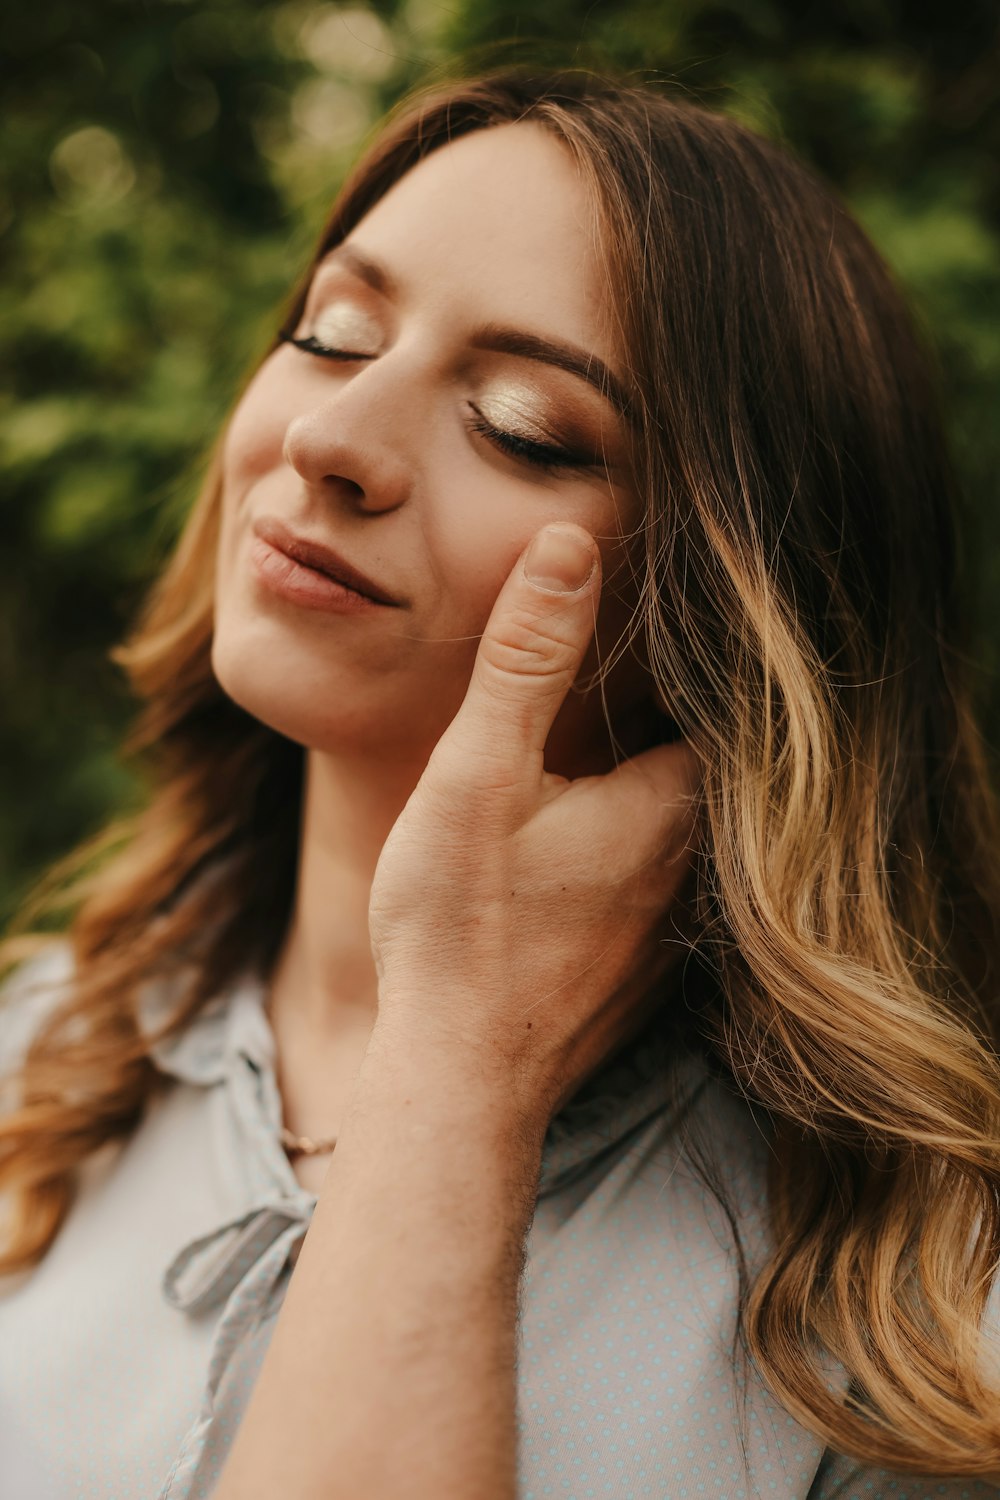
233,1032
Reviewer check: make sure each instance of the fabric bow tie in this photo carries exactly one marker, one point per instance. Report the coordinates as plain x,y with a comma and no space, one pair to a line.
240,1265
251,1249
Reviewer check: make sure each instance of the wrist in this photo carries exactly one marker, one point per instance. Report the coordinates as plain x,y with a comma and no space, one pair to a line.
448,1093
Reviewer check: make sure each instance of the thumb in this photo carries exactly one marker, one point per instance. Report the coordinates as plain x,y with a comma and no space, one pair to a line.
530,652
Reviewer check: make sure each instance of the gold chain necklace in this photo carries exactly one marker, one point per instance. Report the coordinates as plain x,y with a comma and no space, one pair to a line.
304,1145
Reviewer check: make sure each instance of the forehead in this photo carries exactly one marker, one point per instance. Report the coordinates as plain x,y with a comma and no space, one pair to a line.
498,224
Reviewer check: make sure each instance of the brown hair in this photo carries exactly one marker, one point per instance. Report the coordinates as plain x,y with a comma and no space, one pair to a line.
799,611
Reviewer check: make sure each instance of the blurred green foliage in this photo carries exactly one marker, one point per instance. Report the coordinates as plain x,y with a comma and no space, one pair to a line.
164,168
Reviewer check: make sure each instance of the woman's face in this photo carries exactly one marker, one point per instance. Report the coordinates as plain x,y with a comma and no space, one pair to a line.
428,458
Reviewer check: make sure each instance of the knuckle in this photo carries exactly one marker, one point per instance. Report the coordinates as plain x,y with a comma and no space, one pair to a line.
526,642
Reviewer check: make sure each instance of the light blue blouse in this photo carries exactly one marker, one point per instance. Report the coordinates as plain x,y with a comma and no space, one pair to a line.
128,1356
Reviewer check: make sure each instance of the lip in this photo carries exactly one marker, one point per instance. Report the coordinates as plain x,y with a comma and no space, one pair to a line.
320,558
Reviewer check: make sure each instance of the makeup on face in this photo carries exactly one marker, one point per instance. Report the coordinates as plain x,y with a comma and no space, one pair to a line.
444,397
554,415
343,324
524,407
516,408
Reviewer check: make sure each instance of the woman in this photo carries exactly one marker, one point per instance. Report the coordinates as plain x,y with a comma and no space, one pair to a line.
652,1020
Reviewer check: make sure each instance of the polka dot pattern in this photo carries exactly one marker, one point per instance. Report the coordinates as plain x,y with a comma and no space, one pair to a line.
128,1357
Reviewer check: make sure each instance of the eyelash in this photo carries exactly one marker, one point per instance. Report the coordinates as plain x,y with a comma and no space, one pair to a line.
309,344
544,456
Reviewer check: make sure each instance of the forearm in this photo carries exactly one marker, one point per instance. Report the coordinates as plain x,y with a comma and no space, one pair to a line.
392,1368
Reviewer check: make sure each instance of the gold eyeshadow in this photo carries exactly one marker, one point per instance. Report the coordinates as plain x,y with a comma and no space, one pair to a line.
520,405
342,323
510,405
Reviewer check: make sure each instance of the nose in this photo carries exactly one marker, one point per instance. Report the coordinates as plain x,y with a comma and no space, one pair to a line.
347,446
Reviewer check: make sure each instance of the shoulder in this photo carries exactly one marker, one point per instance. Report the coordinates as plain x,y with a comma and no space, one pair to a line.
727,1143
28,997
841,1478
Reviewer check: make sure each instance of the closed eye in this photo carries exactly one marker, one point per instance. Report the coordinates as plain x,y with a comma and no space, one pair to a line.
545,456
309,344
541,455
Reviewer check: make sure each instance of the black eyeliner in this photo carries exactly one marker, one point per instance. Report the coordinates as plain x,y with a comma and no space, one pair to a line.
543,456
309,344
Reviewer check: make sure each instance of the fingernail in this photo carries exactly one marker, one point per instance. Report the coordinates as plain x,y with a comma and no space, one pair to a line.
558,561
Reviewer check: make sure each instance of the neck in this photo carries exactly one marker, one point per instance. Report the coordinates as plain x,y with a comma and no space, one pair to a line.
325,970
325,975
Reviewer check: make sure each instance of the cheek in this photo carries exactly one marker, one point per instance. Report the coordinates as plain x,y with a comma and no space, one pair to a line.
255,437
474,533
473,548
252,448
479,516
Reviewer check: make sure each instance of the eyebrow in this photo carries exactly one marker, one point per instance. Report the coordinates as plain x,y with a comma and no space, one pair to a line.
495,337
548,352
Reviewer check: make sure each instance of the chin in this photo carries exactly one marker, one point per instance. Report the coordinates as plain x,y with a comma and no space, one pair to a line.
329,711
287,697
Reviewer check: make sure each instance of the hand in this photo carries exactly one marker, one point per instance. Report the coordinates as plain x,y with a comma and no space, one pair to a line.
517,918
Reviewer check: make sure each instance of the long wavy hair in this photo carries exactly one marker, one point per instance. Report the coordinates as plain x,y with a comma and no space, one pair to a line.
799,611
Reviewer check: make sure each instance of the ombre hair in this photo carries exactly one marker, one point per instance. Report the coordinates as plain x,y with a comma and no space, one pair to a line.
799,611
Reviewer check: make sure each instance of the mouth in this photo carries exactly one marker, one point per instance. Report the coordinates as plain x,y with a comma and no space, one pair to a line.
321,559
